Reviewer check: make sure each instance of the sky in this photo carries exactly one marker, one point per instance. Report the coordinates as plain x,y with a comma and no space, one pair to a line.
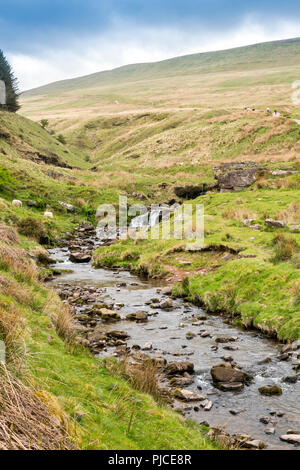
49,40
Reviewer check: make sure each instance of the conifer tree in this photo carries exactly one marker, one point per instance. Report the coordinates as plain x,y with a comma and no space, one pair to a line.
11,84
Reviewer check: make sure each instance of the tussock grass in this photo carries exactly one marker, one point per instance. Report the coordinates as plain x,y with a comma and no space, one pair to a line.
18,262
295,292
143,376
25,421
31,227
291,215
62,318
8,235
238,214
285,247
12,332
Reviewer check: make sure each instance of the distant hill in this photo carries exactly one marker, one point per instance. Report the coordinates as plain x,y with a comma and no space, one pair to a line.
263,55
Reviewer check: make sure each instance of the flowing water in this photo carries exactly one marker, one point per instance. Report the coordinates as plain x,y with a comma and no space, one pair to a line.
167,334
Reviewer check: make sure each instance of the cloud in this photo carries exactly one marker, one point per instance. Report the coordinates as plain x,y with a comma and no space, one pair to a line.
127,43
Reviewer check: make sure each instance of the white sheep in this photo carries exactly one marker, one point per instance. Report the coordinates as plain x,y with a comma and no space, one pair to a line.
17,203
48,214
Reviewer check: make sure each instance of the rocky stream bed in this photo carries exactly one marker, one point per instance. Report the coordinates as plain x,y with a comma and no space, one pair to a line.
234,380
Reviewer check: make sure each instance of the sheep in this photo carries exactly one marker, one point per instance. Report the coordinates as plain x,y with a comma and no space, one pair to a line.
17,203
48,214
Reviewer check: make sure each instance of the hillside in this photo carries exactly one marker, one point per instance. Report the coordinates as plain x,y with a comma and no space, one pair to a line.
144,131
265,55
256,76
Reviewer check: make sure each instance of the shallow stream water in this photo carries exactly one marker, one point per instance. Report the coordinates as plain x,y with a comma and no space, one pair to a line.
169,340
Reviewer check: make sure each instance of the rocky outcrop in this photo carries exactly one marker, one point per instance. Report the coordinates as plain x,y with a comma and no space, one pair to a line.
236,176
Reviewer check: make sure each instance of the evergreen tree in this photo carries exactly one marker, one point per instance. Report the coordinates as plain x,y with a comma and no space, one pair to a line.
6,74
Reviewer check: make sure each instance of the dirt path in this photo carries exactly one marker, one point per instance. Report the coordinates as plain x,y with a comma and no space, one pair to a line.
179,274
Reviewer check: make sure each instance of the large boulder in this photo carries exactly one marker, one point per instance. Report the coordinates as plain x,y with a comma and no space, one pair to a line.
109,315
188,395
236,176
79,257
179,368
229,379
274,223
227,375
291,438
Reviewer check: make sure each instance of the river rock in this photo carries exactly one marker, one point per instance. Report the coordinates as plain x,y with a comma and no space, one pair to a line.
230,348
97,335
205,334
140,317
230,387
296,345
290,379
225,339
79,257
207,405
117,334
270,390
255,445
147,347
166,290
270,430
166,304
188,395
189,335
181,381
265,420
109,314
283,357
179,368
291,438
226,378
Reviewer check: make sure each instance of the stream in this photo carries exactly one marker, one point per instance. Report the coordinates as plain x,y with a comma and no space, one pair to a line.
235,412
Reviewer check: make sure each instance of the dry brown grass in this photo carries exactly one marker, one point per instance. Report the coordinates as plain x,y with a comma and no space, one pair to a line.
142,375
8,235
291,214
12,331
295,292
238,214
25,421
62,318
285,247
18,262
14,290
144,378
